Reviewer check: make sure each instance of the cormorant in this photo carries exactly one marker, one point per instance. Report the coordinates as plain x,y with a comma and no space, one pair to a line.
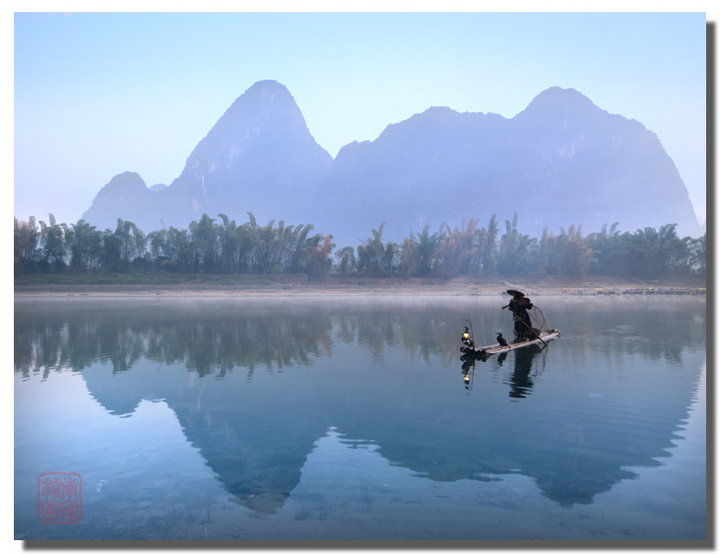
501,340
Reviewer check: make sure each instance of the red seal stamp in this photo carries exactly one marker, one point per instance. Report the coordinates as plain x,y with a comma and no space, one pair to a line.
59,497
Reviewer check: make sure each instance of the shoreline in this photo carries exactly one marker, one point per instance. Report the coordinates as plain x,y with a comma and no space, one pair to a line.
399,288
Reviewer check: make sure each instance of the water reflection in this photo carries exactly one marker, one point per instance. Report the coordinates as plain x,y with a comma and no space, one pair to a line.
212,337
377,371
520,379
521,382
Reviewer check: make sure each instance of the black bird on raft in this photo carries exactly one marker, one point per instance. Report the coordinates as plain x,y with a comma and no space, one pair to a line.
501,340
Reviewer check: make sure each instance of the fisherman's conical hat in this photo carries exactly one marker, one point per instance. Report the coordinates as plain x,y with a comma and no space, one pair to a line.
515,292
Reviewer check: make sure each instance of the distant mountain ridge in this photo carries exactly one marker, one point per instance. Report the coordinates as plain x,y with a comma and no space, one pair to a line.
560,162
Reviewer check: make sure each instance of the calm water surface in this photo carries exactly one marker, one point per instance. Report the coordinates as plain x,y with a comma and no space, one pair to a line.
351,418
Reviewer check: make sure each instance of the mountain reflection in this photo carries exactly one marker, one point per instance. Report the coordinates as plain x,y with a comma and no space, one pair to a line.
375,371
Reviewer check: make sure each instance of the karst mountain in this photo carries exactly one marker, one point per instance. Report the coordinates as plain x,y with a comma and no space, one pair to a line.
562,161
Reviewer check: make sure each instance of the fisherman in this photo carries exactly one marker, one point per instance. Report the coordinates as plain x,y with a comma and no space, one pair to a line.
519,306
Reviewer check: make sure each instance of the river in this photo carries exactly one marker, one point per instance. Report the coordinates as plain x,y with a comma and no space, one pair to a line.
354,418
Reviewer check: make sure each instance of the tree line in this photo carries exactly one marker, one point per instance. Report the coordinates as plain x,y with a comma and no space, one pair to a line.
221,246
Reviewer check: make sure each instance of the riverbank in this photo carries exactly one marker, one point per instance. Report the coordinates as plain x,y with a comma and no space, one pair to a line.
367,287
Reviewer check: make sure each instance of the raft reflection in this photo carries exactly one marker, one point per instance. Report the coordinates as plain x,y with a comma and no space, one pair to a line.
520,380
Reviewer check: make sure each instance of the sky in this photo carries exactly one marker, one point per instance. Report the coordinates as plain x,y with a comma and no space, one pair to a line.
97,94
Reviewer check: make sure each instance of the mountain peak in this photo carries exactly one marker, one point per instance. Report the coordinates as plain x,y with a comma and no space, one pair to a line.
267,86
559,101
261,145
127,183
265,114
125,193
262,102
267,94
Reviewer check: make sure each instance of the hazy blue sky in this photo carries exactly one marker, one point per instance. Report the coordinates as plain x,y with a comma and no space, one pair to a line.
96,94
